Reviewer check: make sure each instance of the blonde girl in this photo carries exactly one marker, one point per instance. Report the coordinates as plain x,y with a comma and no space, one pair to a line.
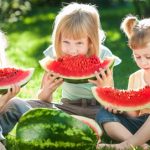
76,31
122,127
10,109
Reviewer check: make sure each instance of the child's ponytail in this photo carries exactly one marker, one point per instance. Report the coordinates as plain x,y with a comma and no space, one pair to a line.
128,24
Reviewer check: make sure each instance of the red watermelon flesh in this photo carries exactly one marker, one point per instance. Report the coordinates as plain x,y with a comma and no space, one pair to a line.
10,76
124,100
91,123
76,67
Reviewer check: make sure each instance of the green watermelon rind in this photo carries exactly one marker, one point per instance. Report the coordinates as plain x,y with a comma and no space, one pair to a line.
117,106
76,80
17,144
4,89
78,135
91,123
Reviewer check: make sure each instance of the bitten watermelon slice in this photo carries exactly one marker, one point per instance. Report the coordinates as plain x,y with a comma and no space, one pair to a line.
76,69
51,129
10,76
91,123
124,100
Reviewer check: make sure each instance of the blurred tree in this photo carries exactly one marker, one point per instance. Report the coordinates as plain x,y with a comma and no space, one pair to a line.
46,2
142,7
104,3
13,10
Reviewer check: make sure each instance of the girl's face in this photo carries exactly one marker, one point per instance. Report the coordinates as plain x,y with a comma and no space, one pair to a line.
142,57
74,47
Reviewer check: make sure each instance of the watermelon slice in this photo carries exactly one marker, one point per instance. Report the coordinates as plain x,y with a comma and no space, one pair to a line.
124,100
10,76
91,123
76,69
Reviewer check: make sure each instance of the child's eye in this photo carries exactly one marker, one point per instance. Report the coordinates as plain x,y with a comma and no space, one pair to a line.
137,57
148,57
79,43
66,42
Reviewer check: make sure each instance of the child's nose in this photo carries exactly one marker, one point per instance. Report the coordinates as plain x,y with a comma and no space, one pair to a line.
73,53
74,50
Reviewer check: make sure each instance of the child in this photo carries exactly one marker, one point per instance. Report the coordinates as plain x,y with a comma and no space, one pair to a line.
138,139
10,109
76,31
122,126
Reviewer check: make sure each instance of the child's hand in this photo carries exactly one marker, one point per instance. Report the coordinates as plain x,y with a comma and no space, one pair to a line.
12,92
105,78
112,110
50,83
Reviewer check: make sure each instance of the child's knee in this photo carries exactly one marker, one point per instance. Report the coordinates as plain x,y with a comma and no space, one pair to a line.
19,105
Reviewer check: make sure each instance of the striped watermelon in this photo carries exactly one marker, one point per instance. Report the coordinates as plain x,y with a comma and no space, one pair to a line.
76,69
124,100
51,129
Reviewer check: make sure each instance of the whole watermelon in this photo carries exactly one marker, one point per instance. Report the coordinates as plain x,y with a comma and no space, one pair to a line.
51,129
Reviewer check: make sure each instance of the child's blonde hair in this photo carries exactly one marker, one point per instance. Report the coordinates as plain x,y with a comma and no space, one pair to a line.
77,21
137,31
3,46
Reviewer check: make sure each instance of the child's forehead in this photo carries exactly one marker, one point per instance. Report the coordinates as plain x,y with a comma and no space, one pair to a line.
74,36
142,50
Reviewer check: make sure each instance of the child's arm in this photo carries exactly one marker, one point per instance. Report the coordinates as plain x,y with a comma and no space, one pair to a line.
12,92
105,78
50,83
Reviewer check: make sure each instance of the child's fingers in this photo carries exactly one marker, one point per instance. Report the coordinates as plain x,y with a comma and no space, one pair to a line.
109,71
54,74
120,112
114,111
9,90
98,76
109,109
105,107
49,75
53,78
53,86
92,81
103,74
58,82
15,89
